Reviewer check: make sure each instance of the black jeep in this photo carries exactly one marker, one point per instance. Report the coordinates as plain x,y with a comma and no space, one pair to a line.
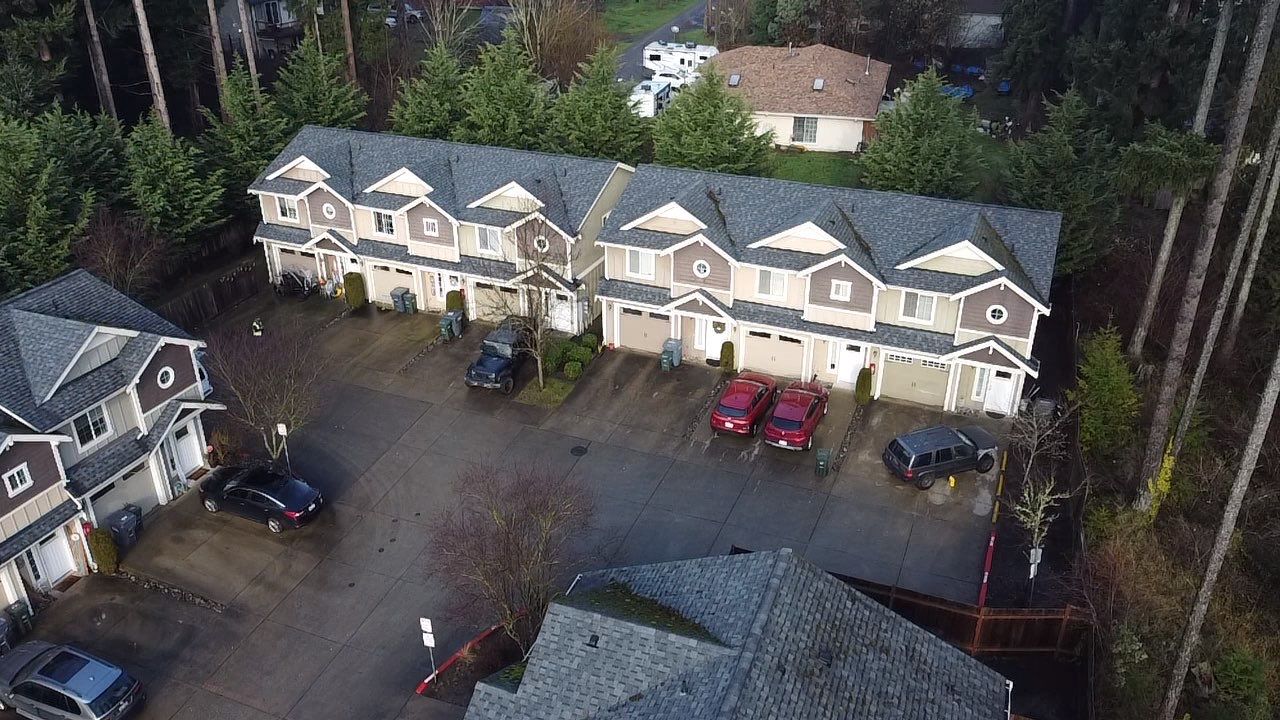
502,353
922,456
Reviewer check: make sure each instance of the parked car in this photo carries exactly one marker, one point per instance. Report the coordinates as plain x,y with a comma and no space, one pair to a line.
502,352
296,284
922,456
280,500
743,404
795,417
46,681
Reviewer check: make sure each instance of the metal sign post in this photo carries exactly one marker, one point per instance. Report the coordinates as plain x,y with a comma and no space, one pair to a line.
429,640
283,432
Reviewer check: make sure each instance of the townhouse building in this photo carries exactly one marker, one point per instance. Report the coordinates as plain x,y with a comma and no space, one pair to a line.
939,298
100,406
502,226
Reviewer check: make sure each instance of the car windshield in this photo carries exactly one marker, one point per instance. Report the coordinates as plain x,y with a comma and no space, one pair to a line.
785,424
728,411
489,347
114,693
899,453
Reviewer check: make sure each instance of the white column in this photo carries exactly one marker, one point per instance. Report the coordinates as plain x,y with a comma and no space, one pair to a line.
953,382
808,358
880,363
159,474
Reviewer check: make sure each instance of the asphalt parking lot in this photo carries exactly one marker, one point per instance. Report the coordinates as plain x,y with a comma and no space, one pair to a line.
322,623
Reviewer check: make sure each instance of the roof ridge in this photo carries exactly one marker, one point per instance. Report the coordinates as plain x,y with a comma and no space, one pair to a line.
747,653
42,286
441,141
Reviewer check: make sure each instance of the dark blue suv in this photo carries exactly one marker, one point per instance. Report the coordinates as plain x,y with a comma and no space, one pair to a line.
502,353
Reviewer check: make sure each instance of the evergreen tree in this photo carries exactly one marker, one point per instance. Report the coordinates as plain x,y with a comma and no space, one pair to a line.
1107,394
1068,166
504,101
762,28
427,105
35,38
1034,46
594,118
252,134
708,128
41,212
89,147
166,184
313,90
926,145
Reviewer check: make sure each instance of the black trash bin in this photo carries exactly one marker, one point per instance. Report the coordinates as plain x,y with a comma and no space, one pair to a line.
125,525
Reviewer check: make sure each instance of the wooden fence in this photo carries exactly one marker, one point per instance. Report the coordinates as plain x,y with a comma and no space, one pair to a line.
195,307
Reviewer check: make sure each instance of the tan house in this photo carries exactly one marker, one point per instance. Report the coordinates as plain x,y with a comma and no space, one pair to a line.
939,298
431,216
815,97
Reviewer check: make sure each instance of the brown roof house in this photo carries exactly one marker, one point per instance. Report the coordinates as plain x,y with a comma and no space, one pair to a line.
817,97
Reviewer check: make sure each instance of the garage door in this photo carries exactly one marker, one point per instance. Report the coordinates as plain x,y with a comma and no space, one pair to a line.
494,302
642,330
774,353
301,262
914,379
136,488
385,279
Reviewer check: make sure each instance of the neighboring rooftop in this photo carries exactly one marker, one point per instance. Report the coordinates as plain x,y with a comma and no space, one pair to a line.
783,80
758,635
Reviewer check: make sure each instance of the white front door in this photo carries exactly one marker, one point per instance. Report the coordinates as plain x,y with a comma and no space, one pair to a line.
55,558
188,448
717,331
1000,388
561,312
852,360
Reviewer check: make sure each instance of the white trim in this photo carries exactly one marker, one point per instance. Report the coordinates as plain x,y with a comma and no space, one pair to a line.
297,213
1001,281
947,250
698,294
846,290
52,438
653,257
21,419
503,191
701,268
791,230
328,211
696,238
160,378
902,306
539,216
66,370
428,201
486,229
432,229
395,177
382,233
989,345
313,242
974,394
13,473
689,217
301,159
842,258
997,307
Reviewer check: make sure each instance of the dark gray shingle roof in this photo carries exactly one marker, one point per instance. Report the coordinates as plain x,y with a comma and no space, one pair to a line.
33,533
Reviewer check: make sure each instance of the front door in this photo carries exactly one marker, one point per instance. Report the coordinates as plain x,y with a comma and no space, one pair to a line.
1000,389
55,555
850,363
188,449
717,331
561,312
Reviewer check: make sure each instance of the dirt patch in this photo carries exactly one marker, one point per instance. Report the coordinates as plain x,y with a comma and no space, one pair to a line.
475,662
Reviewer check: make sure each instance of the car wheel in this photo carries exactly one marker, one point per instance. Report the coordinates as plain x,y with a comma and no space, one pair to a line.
986,463
924,482
507,386
211,505
275,526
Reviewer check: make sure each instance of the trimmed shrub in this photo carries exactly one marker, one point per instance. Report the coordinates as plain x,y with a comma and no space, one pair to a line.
553,356
353,289
726,356
862,390
590,342
105,553
579,355
573,370
453,300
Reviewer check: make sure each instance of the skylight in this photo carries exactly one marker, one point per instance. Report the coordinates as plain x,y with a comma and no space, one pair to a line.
735,80
819,83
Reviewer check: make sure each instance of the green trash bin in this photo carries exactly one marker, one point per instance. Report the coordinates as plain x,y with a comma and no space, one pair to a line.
446,329
665,361
823,463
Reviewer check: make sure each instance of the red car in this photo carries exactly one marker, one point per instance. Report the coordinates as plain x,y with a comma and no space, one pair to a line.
795,418
743,404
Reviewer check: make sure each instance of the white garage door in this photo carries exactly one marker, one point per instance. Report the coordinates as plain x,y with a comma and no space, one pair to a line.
774,353
494,302
914,379
642,330
136,488
300,262
385,279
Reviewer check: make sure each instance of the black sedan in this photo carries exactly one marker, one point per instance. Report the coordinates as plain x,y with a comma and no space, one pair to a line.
262,494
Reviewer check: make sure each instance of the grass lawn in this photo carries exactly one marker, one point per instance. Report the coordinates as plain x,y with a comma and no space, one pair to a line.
819,168
632,19
548,396
695,35
996,155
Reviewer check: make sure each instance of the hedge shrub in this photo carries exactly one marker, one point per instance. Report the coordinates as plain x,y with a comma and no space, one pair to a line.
726,356
862,390
353,289
1241,679
453,300
105,553
1107,394
573,370
590,342
553,356
580,355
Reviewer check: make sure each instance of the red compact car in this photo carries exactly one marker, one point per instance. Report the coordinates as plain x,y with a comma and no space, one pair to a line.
795,418
743,404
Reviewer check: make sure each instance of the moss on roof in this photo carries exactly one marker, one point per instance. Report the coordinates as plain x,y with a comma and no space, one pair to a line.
618,600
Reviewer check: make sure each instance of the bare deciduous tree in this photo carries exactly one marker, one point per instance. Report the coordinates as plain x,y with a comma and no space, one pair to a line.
1039,440
159,104
447,25
268,380
506,547
121,250
558,35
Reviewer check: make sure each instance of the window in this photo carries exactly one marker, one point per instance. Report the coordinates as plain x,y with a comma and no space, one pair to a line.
164,378
757,333
655,57
902,359
489,240
640,263
17,479
980,378
942,455
701,268
841,290
804,129
431,227
933,364
997,314
541,244
916,306
384,223
771,284
329,211
91,427
288,208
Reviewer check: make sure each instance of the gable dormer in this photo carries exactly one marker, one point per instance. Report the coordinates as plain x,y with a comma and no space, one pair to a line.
670,218
301,168
971,247
101,349
512,197
401,182
806,237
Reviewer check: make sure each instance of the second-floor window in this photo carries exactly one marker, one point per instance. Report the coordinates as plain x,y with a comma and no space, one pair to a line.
640,263
489,240
804,129
431,227
917,307
771,284
91,427
841,290
288,208
17,480
384,223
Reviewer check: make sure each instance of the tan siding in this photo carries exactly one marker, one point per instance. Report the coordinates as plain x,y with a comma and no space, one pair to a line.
1021,316
511,202
404,187
416,231
945,312
315,205
437,252
467,240
749,278
298,173
860,295
271,212
682,267
364,227
955,265
964,390
171,355
820,349
827,316
120,413
672,226
594,220
33,507
107,346
618,268
42,466
804,244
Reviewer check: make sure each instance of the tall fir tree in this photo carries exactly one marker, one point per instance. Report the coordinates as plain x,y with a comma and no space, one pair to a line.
594,118
427,105
1034,46
504,101
1068,166
252,133
709,129
90,148
926,145
167,186
313,90
35,39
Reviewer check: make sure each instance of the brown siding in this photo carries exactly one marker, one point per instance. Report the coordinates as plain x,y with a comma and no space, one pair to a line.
315,203
40,463
1020,319
859,297
557,250
422,211
684,258
989,357
178,357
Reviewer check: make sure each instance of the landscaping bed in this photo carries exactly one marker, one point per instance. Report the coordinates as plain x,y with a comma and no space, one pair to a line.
489,652
563,363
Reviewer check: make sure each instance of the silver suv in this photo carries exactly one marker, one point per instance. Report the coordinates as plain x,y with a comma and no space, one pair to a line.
58,682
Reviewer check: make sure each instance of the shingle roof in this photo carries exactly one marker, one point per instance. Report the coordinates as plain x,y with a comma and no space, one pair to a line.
791,642
781,80
33,533
890,227
40,332
458,173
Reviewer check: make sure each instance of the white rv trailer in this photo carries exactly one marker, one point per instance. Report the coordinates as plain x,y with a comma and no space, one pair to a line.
650,98
676,57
